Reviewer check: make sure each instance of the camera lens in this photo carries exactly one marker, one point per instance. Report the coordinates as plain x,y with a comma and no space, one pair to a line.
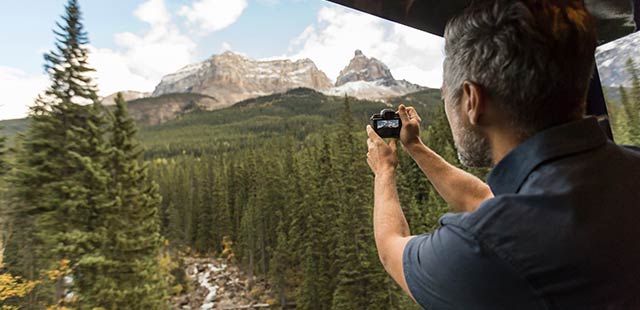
387,114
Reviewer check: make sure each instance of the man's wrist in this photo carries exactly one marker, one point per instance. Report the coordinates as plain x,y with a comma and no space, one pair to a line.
414,147
387,172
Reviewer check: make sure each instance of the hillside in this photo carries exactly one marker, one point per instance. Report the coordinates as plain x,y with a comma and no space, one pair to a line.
157,110
11,127
298,112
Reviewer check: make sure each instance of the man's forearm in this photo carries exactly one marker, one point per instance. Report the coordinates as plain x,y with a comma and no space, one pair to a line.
460,189
388,220
390,228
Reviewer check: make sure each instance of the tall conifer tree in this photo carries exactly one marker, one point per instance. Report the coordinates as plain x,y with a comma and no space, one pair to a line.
134,241
631,104
60,184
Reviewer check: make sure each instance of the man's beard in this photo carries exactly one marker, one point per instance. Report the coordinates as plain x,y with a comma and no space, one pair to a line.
473,148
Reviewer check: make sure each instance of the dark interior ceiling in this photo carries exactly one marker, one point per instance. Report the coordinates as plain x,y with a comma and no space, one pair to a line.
614,17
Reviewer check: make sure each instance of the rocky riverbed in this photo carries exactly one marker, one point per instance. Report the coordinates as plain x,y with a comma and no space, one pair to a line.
219,284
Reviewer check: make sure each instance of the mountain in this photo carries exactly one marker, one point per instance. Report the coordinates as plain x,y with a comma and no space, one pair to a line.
127,94
169,126
362,68
612,60
370,78
231,78
157,110
298,112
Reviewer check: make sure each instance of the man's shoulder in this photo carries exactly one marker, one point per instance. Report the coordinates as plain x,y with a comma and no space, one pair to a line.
432,265
497,211
634,150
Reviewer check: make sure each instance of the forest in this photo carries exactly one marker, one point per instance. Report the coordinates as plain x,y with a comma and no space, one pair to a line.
98,213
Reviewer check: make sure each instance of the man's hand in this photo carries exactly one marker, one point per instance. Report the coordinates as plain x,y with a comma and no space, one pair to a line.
382,157
410,132
461,190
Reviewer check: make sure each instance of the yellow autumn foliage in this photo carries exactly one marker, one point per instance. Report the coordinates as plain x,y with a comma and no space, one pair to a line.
62,270
14,287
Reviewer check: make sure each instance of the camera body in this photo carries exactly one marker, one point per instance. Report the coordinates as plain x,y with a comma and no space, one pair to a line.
387,124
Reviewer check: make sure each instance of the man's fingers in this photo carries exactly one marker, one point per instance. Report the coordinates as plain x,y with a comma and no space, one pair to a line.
404,116
370,143
413,113
373,135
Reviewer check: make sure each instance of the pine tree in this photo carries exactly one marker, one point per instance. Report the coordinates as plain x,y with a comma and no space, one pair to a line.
206,240
284,263
60,184
316,249
133,280
620,117
361,280
3,163
221,214
631,104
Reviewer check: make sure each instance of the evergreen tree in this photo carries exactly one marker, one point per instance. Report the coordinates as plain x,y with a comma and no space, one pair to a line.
317,248
361,280
206,239
3,163
631,104
132,279
60,187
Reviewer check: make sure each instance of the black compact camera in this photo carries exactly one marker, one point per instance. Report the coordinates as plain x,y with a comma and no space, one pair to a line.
387,124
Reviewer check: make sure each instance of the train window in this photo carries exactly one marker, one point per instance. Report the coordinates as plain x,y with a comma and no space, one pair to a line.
619,68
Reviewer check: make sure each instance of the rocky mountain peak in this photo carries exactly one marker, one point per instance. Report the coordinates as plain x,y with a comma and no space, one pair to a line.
229,55
363,68
230,77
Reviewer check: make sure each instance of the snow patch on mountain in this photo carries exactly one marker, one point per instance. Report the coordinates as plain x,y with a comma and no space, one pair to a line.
369,78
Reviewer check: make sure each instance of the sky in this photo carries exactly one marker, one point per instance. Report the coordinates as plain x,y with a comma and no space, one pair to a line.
133,44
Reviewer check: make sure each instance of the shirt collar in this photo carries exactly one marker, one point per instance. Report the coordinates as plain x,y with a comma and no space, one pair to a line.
569,138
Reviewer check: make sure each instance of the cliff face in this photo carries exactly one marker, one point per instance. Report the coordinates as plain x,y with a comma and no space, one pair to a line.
369,78
157,110
231,78
362,68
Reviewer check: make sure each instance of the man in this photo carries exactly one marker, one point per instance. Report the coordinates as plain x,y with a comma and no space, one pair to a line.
558,225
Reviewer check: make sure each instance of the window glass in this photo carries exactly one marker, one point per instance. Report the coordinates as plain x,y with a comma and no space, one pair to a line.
619,67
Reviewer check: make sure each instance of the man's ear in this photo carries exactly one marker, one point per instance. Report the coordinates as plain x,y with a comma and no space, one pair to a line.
475,104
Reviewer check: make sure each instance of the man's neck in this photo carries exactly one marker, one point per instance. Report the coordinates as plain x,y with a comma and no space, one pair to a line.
503,141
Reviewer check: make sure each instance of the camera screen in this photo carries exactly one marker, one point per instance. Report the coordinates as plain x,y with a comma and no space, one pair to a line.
392,123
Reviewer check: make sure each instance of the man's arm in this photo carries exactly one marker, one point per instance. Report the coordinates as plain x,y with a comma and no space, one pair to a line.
462,191
390,227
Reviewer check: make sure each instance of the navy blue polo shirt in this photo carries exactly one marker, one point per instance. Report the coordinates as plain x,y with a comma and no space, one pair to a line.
562,232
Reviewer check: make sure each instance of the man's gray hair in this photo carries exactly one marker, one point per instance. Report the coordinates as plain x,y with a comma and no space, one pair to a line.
534,58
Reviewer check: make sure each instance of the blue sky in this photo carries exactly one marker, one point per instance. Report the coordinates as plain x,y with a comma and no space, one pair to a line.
134,43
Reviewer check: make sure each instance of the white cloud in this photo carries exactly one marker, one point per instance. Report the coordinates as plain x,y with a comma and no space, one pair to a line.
138,64
19,90
410,54
142,60
153,12
225,47
269,2
114,74
213,15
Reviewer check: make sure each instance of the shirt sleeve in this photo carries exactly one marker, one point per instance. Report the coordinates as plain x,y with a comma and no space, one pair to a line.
450,269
